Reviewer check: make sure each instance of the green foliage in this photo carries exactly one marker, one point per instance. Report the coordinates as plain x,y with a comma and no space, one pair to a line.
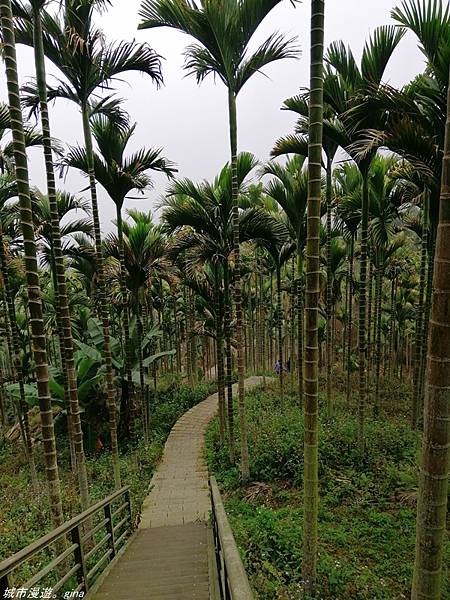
25,517
366,513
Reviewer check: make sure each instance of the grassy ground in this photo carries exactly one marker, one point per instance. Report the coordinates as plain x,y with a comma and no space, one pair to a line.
367,506
24,516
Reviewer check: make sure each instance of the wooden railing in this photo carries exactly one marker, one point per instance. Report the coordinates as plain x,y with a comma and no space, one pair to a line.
233,581
79,550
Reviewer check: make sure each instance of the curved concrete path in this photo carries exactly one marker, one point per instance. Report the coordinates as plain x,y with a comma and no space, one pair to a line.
168,557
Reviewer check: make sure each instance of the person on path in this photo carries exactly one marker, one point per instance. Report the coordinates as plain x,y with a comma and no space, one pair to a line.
278,367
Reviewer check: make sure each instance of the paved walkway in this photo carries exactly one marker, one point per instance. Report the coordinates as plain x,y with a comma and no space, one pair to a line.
168,557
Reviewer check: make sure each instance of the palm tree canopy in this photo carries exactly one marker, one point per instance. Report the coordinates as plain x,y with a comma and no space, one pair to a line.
77,48
223,30
117,173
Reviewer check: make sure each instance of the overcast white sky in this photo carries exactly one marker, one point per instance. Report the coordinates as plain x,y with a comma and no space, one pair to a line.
190,121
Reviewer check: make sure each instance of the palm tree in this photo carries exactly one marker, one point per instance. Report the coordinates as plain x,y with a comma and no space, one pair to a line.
8,190
204,214
298,144
433,486
77,48
289,188
31,265
411,122
347,83
348,185
223,32
119,175
141,259
311,463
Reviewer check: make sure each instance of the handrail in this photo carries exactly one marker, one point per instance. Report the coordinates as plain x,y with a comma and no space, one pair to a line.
80,539
233,580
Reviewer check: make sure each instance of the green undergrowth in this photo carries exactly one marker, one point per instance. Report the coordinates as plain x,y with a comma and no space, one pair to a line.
367,503
24,516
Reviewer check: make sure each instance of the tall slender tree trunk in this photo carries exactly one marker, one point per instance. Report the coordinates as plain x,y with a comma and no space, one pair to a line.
362,333
245,465
219,353
378,283
311,482
229,361
31,265
427,311
101,289
17,370
280,329
329,286
300,325
350,317
67,350
127,354
419,342
435,463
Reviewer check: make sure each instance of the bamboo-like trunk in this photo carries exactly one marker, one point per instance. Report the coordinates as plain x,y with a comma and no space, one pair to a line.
418,338
16,365
378,283
31,265
101,289
245,465
350,316
435,463
219,353
300,326
127,354
67,349
280,329
362,333
229,362
329,285
311,480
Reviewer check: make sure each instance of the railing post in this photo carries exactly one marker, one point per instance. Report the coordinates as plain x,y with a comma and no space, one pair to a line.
79,557
4,585
128,498
110,528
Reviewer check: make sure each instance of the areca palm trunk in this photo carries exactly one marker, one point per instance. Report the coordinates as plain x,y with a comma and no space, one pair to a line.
245,465
329,286
427,310
17,370
350,316
280,329
418,341
311,482
219,354
31,265
126,325
362,333
67,350
111,393
300,325
433,486
143,388
378,295
229,362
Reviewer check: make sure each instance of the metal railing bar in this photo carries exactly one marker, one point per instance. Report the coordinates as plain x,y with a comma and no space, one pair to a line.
97,566
88,555
120,523
51,565
121,537
120,509
7,565
93,531
66,577
236,581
